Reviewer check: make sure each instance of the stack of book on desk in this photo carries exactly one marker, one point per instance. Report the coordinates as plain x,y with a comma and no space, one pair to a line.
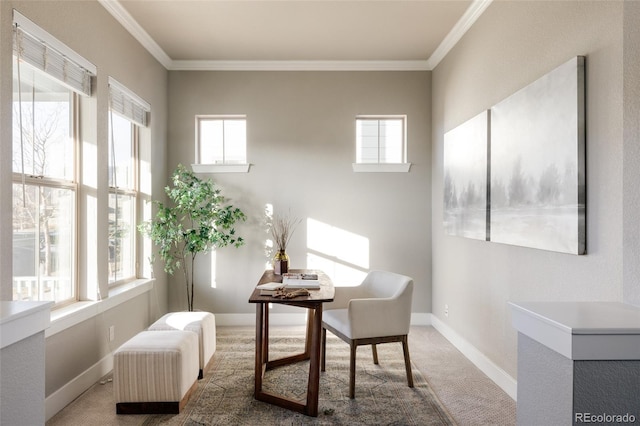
308,281
290,281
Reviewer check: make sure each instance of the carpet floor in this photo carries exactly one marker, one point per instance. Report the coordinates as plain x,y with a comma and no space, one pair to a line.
225,395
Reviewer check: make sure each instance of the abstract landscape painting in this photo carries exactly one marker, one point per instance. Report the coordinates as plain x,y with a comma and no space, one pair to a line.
465,178
538,161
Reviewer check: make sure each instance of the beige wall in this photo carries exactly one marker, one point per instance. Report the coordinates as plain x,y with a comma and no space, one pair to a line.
301,143
631,164
511,45
91,31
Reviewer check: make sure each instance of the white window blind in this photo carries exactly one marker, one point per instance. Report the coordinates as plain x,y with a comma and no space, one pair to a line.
44,52
128,104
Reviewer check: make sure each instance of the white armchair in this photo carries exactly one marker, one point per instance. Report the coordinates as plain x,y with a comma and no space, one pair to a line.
377,311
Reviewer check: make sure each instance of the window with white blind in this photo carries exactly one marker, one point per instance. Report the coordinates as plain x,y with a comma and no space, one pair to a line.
381,141
127,104
48,79
127,113
47,54
221,140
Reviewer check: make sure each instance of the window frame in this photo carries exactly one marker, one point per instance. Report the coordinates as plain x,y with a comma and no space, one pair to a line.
65,184
129,192
382,166
224,166
48,56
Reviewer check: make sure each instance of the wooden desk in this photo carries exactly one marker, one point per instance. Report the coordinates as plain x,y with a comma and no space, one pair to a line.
313,304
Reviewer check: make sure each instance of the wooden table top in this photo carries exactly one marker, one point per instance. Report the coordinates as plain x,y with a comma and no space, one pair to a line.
324,294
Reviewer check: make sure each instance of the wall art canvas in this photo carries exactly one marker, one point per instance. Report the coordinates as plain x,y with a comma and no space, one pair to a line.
465,178
538,163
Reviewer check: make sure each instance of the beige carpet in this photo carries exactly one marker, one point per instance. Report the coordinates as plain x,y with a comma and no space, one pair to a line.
224,396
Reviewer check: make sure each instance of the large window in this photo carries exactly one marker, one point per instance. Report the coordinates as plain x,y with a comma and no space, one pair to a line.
122,198
48,81
44,187
381,139
221,139
127,113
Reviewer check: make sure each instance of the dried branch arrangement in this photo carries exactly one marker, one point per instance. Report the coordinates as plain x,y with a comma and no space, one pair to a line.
282,228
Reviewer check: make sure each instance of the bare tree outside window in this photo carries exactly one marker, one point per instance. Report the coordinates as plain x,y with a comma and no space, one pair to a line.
43,189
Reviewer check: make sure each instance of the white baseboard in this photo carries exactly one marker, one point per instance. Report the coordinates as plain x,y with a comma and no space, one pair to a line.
480,360
63,396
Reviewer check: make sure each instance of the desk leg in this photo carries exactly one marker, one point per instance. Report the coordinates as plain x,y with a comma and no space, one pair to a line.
262,345
313,387
312,352
265,333
309,336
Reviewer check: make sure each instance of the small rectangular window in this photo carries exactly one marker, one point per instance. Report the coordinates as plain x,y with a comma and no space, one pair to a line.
381,139
221,139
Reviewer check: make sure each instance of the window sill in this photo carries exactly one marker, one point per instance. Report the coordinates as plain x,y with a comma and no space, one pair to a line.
64,318
220,168
381,167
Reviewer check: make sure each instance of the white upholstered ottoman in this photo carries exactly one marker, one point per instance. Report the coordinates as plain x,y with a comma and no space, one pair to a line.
155,371
202,323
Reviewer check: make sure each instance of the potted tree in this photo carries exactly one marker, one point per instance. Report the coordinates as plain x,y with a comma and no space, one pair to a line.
197,221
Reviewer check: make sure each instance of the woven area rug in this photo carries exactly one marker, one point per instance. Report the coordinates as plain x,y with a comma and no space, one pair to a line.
225,395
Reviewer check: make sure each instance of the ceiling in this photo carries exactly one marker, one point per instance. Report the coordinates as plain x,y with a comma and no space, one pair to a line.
297,34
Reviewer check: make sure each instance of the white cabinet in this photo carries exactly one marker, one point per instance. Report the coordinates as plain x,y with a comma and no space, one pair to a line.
578,362
22,362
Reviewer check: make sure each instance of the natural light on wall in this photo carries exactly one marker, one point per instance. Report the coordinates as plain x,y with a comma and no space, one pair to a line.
213,258
268,243
147,246
341,254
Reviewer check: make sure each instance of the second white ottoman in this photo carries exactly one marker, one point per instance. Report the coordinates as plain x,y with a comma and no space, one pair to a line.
201,323
155,372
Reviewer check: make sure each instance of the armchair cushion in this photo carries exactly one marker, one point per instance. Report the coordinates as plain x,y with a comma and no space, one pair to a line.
382,307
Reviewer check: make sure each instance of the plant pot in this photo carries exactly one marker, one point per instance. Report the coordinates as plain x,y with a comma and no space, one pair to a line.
280,263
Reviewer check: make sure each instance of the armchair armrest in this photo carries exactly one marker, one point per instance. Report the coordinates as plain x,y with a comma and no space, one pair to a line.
343,295
379,317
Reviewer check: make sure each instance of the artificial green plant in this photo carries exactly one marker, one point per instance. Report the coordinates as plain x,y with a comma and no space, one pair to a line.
197,221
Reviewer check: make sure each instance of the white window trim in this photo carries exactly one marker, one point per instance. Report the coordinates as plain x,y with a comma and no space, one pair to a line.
403,167
78,312
135,195
217,167
381,167
221,168
73,185
132,192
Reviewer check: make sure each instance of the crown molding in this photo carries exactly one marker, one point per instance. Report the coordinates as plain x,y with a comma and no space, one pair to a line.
470,16
298,66
459,29
126,20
